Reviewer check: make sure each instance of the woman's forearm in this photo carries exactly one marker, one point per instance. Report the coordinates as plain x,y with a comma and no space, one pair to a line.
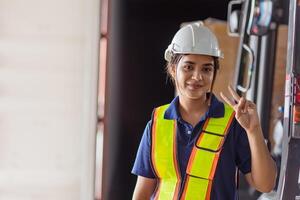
263,167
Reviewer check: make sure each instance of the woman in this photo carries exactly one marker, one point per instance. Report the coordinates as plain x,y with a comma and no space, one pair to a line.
193,147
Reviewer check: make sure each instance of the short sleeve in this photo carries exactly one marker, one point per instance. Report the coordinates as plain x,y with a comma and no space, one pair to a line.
242,149
142,165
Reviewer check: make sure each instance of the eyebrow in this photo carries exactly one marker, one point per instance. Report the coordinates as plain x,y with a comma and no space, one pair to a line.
193,63
208,64
189,62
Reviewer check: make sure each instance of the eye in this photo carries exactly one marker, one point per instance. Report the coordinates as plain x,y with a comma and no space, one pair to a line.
188,67
208,69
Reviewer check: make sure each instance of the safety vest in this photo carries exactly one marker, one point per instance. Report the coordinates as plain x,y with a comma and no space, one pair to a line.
202,162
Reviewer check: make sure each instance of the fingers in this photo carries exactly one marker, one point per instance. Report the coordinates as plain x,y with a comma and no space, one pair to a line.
234,94
236,102
241,107
227,100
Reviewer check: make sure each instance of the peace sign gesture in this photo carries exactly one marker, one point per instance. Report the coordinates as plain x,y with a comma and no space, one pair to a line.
245,111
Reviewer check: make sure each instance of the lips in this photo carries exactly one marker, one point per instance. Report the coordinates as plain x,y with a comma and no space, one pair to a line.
193,86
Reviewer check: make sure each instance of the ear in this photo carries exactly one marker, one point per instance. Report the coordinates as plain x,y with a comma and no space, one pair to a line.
172,70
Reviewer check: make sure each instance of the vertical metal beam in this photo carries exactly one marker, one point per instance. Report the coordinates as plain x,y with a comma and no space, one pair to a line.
255,45
244,38
101,125
265,79
112,97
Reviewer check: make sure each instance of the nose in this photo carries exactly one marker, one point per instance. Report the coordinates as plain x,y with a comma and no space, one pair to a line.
197,75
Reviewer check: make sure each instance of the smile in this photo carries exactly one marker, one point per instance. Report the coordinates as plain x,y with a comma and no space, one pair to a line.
194,86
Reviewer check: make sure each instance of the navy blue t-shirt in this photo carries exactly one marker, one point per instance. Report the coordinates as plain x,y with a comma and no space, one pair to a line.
235,152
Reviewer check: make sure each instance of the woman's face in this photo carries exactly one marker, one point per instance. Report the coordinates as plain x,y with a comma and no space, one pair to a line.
193,76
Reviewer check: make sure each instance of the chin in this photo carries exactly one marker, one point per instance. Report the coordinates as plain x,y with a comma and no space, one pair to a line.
192,95
196,97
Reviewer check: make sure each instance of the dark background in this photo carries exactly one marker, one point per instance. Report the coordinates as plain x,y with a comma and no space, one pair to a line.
139,32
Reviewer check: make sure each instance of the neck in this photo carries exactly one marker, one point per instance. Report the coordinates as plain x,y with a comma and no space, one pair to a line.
192,110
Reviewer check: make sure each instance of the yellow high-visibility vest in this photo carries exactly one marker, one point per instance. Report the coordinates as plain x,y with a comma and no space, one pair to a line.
202,162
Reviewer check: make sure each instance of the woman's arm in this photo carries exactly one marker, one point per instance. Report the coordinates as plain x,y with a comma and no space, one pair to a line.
263,169
144,188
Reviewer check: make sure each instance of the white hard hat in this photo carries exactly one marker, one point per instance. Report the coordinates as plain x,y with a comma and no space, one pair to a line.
194,38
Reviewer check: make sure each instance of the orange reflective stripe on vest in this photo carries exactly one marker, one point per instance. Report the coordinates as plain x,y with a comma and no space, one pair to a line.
205,155
203,159
164,156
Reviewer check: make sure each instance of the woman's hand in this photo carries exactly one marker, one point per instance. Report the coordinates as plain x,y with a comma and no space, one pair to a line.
245,111
263,168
